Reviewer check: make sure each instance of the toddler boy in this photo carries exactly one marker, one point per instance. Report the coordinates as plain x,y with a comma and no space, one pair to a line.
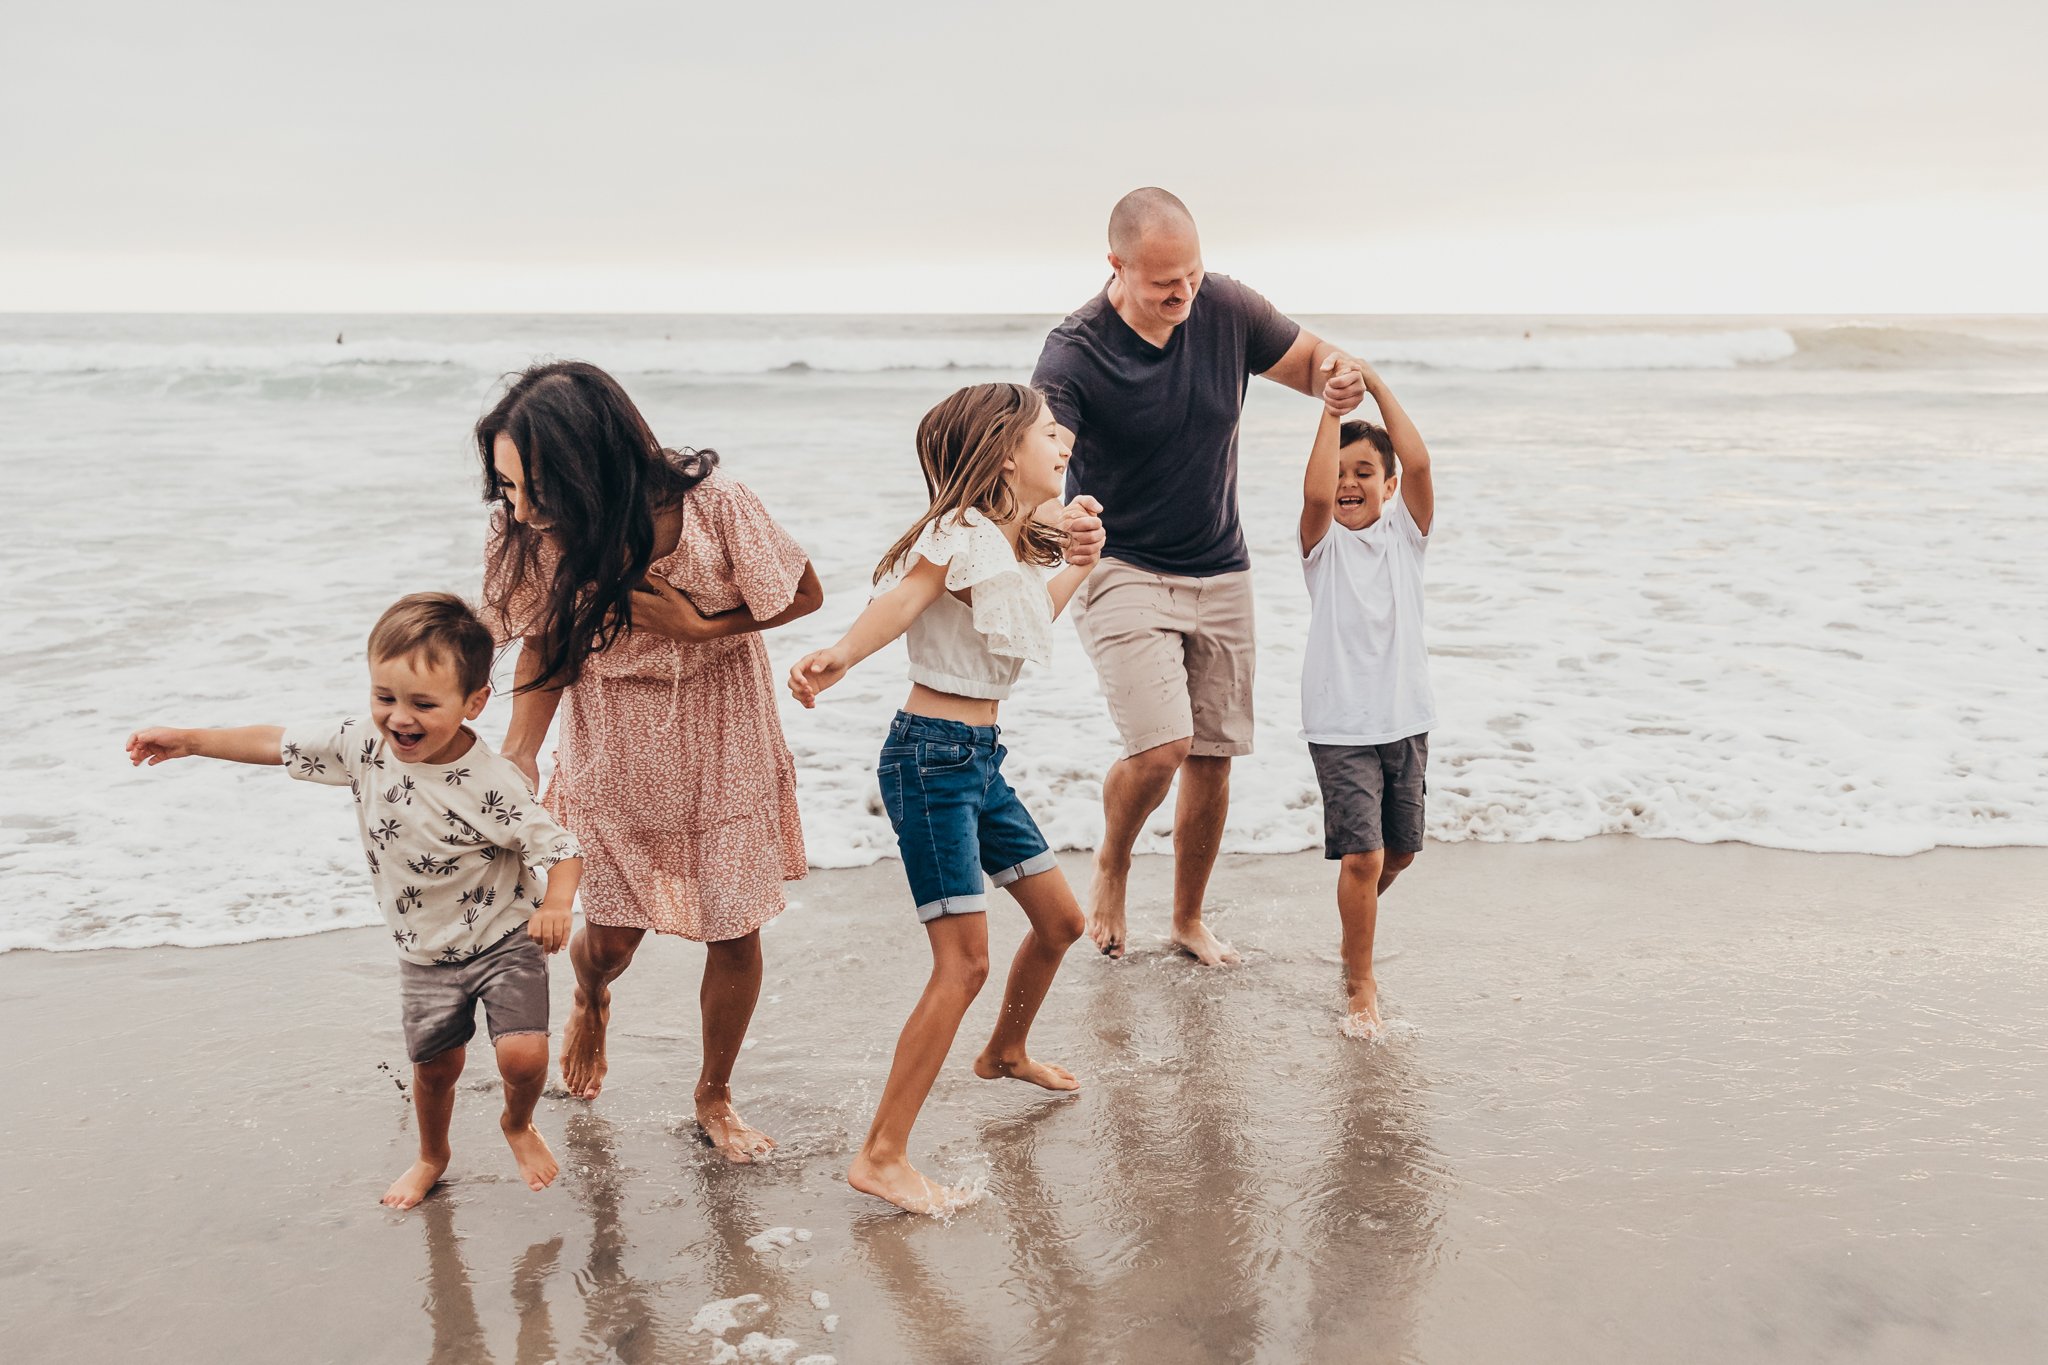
474,878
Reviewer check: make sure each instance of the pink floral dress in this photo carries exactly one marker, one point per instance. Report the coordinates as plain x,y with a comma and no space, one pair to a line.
670,765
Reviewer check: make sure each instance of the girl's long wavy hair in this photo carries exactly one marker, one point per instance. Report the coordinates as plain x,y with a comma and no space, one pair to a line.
962,444
596,476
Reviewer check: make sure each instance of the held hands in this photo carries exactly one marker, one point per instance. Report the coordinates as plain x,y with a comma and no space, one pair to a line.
815,672
663,608
1081,520
549,927
1345,387
159,744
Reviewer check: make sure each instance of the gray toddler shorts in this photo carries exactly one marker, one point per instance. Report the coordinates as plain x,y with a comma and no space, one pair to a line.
1372,795
438,1003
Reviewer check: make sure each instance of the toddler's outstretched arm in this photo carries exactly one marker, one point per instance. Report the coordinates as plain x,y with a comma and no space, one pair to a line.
1417,489
885,618
243,744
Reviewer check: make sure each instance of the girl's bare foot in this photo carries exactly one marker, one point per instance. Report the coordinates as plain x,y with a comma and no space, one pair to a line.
724,1129
990,1067
415,1184
536,1163
1204,947
583,1064
900,1184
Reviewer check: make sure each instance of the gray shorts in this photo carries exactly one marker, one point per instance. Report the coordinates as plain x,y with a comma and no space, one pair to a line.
438,1004
1372,795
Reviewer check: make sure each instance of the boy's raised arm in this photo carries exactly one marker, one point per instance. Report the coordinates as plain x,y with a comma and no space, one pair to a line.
259,744
1417,491
1319,482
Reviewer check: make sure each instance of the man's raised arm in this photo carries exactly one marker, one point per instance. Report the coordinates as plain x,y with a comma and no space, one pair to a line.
1320,369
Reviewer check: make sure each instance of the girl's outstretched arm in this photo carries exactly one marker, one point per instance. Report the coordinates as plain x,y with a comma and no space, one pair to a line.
258,744
885,618
1081,519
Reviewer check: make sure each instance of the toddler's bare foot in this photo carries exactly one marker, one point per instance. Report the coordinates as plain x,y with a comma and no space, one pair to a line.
536,1163
900,1184
1204,947
583,1064
415,1184
1106,912
724,1129
990,1067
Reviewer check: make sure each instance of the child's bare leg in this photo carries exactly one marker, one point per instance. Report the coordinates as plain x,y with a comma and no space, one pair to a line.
433,1102
1055,923
1358,907
1395,865
731,986
959,967
523,1065
598,953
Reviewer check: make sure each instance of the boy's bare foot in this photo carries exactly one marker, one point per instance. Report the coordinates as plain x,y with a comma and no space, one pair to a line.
1362,1018
583,1064
536,1163
990,1068
415,1184
724,1129
1204,947
900,1184
1106,912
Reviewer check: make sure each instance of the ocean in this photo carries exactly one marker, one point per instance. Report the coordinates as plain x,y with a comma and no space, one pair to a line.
1774,580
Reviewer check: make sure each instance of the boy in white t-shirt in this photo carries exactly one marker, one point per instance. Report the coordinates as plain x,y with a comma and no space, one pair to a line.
1366,708
474,878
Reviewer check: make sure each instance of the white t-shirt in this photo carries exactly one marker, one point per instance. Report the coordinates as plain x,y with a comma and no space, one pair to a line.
1365,673
455,849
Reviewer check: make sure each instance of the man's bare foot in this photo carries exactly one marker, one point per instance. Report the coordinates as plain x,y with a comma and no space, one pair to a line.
583,1064
1204,947
724,1129
536,1163
990,1068
1106,912
415,1184
900,1184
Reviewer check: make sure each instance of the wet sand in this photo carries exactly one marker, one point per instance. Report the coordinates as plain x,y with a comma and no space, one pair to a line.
1649,1102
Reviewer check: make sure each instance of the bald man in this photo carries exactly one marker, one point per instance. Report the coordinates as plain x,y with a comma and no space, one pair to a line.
1148,379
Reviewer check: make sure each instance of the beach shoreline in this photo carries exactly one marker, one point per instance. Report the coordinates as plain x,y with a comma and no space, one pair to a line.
1647,1101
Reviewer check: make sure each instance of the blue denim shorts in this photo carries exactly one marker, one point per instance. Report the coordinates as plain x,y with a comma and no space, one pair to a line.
954,815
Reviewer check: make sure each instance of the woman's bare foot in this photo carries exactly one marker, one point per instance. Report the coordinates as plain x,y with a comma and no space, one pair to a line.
900,1184
1204,947
990,1068
583,1064
536,1163
415,1184
724,1129
1106,912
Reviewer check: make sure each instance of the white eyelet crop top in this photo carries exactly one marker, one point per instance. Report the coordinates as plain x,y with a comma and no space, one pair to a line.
977,650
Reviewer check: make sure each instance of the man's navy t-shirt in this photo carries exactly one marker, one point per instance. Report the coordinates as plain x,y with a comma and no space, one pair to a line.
1155,428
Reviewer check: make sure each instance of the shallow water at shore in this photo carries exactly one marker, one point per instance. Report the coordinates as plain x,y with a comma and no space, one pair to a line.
1647,1102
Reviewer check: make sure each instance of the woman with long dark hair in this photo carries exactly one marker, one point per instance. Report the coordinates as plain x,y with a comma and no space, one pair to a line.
638,580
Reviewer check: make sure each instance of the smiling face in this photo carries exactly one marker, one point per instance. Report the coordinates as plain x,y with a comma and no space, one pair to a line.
1363,490
1037,469
1159,279
418,705
512,482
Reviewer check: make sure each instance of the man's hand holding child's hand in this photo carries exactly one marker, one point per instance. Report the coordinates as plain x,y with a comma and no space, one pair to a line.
1081,521
1345,388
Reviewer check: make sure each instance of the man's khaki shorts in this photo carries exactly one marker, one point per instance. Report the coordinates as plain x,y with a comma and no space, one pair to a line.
1174,656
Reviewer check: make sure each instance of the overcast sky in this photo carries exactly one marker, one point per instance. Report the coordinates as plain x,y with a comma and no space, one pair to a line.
1578,155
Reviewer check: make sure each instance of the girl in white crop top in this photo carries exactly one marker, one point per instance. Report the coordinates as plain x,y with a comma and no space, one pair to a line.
975,585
